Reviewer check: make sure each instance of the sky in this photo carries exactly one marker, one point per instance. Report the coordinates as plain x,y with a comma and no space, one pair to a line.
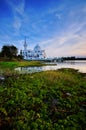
58,26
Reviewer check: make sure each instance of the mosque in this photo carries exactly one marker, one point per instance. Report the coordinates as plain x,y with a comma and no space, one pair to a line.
35,54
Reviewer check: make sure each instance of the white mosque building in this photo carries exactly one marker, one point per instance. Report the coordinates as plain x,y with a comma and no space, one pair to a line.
35,54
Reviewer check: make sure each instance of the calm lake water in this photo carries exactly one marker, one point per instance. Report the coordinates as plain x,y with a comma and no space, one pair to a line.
80,65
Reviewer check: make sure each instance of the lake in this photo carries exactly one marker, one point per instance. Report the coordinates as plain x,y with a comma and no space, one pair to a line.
80,65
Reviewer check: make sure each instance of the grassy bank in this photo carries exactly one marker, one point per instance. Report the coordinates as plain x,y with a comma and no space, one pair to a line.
51,100
14,64
7,67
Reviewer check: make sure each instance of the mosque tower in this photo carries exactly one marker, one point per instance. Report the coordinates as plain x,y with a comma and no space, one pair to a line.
25,45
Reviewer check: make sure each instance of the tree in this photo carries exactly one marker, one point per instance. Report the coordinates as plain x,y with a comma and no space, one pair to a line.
9,51
13,50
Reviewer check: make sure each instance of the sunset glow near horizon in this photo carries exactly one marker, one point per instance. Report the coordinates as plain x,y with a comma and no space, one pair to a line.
58,26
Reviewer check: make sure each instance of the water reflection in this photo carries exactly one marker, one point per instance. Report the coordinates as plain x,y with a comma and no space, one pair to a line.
80,65
29,69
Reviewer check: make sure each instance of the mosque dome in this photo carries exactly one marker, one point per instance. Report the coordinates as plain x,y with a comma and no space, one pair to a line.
37,48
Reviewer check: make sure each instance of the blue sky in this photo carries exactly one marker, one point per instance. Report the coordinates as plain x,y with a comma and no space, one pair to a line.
58,26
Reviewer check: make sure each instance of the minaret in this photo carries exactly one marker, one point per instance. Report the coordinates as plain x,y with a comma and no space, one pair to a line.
25,45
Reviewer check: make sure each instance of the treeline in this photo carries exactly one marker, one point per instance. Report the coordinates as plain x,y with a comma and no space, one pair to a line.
62,59
73,58
9,52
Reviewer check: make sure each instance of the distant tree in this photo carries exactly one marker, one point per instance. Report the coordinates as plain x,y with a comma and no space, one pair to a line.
0,54
20,57
21,52
13,50
9,51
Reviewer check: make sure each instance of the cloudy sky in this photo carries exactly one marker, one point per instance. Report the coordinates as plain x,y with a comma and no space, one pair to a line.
58,26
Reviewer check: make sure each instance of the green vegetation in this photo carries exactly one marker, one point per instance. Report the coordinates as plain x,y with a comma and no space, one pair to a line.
9,52
8,67
51,100
11,65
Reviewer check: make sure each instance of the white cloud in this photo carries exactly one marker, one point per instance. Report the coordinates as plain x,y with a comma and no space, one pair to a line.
58,15
17,23
18,13
17,7
69,44
20,8
56,9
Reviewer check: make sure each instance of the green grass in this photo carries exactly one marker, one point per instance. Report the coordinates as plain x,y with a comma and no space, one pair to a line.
19,63
7,67
51,100
8,64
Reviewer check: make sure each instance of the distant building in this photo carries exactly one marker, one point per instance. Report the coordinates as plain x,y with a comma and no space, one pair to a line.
35,54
